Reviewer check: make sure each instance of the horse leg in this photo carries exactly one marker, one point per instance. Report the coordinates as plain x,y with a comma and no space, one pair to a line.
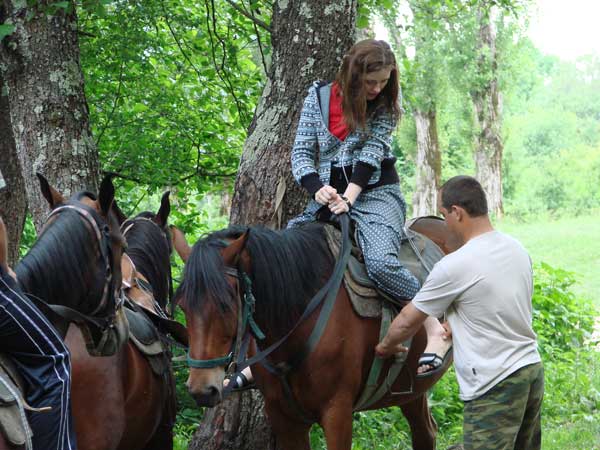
292,436
422,424
337,426
289,435
162,438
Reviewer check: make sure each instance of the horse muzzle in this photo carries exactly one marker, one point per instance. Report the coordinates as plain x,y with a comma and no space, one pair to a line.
209,397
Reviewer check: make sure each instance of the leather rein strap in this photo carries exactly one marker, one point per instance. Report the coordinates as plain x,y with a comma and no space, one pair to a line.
247,326
326,297
102,235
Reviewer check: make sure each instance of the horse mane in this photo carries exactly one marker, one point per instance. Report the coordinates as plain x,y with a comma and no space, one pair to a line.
287,269
149,247
55,269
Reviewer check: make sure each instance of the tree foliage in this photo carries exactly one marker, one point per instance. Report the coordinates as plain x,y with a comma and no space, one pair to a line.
172,87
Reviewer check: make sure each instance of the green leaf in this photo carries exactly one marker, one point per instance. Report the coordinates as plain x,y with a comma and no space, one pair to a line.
6,29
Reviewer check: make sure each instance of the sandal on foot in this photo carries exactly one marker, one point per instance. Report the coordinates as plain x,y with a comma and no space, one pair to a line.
240,383
434,360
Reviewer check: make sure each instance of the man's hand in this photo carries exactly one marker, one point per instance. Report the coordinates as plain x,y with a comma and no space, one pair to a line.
403,326
448,330
385,350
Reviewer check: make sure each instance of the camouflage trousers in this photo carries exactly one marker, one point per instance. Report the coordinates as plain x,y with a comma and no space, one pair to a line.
507,417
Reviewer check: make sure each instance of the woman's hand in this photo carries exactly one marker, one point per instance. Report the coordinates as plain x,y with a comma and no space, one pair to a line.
325,195
339,205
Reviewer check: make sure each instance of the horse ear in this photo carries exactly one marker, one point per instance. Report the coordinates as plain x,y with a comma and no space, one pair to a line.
50,194
121,217
182,248
107,194
233,251
163,213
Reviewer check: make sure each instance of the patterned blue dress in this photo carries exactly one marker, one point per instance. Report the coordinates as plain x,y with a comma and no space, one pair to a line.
365,158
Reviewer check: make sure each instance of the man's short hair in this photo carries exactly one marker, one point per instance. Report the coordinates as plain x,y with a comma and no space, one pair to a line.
466,192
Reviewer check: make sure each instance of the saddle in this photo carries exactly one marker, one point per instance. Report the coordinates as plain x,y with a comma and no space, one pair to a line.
148,332
417,253
13,422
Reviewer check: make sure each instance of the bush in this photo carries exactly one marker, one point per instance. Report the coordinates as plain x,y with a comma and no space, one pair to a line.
564,325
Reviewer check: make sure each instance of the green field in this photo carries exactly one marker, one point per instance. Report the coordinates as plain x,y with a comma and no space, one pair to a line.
570,243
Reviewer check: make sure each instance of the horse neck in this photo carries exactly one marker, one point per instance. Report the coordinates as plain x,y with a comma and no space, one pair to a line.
50,284
279,309
144,260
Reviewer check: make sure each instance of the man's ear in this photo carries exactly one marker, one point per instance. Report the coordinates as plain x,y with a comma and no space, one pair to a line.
460,212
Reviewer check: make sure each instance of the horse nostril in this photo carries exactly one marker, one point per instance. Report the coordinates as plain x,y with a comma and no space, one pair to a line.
213,391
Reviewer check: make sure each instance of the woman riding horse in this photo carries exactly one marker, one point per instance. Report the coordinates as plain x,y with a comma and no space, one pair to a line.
342,156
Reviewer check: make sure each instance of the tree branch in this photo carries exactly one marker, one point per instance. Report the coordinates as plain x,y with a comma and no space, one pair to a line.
260,48
246,14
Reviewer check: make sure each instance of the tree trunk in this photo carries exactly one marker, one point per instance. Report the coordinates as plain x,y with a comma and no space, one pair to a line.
48,110
309,39
13,199
487,102
428,164
238,423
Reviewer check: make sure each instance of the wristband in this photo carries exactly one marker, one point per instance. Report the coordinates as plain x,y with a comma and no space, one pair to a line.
347,201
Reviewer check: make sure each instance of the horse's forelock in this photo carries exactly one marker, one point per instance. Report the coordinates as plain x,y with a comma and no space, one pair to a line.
204,280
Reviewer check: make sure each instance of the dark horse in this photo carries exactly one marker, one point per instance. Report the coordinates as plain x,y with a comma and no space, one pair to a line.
117,401
286,268
75,262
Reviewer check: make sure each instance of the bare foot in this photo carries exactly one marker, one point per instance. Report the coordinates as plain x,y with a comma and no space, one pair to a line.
241,381
436,345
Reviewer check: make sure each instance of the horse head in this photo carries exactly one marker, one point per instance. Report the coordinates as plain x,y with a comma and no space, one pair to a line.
147,258
210,298
76,260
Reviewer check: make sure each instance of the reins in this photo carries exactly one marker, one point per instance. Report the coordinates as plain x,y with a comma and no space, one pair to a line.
325,296
126,226
102,235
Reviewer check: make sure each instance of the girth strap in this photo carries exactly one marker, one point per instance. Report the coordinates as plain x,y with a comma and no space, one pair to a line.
373,392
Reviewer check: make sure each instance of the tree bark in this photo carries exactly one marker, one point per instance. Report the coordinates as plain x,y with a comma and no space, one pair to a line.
487,102
238,423
48,109
308,39
13,199
428,164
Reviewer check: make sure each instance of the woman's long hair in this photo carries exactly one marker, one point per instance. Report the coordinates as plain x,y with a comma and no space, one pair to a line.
369,55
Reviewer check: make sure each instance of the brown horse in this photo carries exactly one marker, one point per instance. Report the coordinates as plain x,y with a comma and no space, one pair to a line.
75,263
117,401
283,270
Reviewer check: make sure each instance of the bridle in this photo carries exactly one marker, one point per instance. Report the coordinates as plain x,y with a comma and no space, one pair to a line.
246,325
235,360
126,226
110,291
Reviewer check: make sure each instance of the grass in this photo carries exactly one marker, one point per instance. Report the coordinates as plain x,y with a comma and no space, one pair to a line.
570,243
581,435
